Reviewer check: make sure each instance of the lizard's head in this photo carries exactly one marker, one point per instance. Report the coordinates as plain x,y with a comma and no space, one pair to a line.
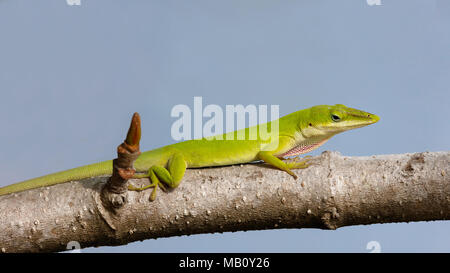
333,119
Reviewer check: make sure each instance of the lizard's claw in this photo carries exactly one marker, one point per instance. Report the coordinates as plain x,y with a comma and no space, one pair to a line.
297,163
133,188
153,185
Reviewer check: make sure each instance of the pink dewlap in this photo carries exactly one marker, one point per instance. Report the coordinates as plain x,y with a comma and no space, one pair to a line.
303,149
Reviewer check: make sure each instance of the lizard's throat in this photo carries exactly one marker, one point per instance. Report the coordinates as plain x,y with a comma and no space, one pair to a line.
304,147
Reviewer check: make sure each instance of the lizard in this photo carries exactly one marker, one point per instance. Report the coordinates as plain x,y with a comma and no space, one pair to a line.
298,133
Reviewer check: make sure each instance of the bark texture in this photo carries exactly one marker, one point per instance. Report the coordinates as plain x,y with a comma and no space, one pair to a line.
335,191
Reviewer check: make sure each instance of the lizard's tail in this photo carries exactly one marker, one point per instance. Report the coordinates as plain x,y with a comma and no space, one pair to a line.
91,170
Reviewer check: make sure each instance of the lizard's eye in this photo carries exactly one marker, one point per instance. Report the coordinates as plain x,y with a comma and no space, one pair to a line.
335,118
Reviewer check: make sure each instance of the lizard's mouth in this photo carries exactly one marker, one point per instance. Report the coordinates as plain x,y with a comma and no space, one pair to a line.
304,148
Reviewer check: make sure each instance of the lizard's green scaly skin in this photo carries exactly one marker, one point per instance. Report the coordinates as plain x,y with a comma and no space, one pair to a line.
299,132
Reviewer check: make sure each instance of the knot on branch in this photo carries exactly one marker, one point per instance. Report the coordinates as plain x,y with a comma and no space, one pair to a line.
330,219
114,193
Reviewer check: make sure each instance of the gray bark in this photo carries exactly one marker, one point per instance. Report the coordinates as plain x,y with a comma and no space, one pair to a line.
334,191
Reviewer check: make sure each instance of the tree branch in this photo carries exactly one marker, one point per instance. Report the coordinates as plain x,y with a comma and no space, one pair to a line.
335,191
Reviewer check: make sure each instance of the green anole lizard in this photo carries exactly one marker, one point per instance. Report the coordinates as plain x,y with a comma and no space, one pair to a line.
299,133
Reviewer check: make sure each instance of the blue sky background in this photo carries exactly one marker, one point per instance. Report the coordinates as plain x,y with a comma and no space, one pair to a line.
71,76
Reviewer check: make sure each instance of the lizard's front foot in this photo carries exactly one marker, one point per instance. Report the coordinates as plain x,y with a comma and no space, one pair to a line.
298,163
